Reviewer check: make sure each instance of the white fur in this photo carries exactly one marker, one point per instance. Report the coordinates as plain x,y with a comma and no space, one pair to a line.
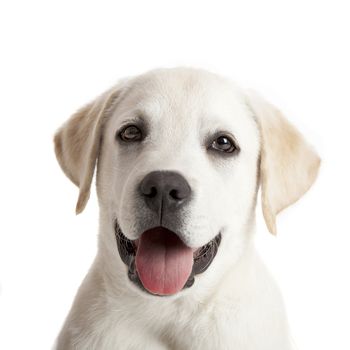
235,304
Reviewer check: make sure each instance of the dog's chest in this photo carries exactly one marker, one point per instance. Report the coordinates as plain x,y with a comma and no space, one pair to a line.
166,329
208,327
228,324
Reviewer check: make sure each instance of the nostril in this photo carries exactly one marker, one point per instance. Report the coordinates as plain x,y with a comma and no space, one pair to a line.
151,193
175,194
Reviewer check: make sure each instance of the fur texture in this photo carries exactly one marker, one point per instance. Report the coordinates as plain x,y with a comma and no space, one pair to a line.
235,304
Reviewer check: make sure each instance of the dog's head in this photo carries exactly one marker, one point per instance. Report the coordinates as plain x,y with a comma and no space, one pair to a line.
180,156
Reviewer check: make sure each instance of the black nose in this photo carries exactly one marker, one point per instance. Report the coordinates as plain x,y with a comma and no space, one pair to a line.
164,191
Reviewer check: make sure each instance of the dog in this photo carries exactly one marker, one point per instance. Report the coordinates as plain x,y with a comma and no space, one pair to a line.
180,156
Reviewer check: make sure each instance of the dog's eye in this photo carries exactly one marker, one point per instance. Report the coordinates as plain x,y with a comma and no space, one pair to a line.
224,143
130,133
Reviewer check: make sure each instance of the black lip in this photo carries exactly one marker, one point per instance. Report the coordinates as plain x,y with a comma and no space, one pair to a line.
202,259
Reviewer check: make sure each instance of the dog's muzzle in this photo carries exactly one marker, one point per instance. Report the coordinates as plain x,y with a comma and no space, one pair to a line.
160,263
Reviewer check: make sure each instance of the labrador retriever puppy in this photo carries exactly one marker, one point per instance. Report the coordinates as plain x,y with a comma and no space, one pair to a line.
180,155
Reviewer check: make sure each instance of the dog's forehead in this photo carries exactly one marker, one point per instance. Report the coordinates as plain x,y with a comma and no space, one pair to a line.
185,95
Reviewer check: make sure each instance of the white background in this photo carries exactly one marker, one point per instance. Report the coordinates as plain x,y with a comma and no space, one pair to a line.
55,56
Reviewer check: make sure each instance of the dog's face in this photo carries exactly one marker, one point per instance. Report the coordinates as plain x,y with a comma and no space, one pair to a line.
192,140
178,171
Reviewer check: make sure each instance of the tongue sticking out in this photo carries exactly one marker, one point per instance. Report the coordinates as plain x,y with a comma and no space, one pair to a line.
163,261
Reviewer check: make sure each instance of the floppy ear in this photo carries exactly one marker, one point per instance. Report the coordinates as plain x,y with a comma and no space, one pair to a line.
77,144
288,164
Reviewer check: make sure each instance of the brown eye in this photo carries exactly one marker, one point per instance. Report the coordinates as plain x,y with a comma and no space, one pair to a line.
131,133
223,143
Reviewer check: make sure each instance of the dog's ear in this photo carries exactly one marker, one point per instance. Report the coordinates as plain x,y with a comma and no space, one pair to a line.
77,144
288,164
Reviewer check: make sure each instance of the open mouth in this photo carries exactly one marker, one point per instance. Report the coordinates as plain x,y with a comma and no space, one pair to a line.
160,263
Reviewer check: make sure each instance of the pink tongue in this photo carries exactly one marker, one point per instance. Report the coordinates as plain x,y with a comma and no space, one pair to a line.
163,261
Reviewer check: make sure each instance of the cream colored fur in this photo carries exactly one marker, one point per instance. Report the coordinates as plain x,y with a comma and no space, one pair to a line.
77,144
235,304
284,152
